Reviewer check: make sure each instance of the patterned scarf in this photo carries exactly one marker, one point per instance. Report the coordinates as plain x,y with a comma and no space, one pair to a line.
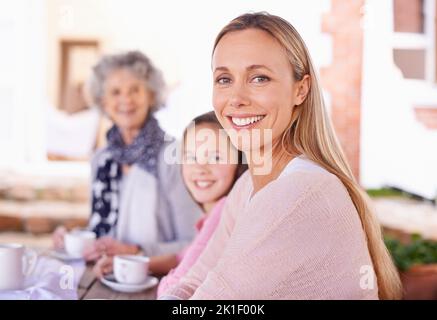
143,152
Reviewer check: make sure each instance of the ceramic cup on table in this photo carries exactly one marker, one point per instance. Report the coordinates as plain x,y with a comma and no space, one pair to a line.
76,241
131,269
16,262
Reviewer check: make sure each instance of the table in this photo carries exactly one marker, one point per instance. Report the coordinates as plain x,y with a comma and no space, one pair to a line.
91,288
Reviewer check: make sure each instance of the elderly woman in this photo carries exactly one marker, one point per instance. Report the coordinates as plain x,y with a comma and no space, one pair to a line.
139,202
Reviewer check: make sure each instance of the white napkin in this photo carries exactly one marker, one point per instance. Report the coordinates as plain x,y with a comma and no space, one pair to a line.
51,280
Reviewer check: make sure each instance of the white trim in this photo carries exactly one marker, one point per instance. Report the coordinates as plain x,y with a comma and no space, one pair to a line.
405,40
431,54
423,93
26,55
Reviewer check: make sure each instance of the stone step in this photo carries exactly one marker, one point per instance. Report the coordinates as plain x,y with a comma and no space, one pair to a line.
39,241
22,192
24,187
39,217
11,224
408,216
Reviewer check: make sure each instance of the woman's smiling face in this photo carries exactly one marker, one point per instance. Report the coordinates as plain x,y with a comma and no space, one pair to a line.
126,100
253,87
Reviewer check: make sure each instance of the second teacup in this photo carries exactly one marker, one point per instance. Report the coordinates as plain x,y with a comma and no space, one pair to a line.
131,269
77,241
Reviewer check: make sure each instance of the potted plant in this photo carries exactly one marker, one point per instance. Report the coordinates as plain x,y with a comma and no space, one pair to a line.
417,264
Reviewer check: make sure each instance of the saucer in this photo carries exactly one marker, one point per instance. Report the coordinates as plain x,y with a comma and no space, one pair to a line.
64,256
110,281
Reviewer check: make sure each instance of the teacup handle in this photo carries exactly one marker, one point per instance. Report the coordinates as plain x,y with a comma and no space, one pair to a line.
29,261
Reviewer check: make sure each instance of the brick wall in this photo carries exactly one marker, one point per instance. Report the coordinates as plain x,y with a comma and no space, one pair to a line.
343,77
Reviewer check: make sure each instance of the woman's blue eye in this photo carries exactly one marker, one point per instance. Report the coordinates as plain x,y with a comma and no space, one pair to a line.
223,80
260,79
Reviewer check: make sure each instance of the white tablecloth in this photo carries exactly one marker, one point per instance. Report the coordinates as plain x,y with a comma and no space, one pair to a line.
50,280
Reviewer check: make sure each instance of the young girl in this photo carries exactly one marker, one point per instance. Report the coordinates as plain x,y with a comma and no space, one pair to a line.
210,167
297,225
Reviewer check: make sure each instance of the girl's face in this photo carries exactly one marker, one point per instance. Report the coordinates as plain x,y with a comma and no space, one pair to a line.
253,87
210,163
126,100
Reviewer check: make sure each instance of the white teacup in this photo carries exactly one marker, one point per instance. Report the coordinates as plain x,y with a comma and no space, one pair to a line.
16,262
77,241
131,269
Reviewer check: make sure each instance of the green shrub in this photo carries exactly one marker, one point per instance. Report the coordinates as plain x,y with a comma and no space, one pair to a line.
385,192
418,251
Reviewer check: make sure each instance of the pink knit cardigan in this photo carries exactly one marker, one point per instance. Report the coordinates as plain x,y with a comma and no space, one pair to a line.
300,237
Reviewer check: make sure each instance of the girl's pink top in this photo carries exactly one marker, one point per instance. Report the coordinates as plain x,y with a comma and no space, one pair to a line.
205,228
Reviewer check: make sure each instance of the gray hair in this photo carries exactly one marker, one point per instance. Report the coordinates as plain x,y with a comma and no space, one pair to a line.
140,66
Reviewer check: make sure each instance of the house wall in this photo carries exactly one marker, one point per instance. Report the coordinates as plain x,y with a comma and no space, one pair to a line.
397,149
342,78
22,82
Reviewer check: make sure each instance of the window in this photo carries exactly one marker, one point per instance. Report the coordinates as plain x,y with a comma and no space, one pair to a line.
414,38
409,16
77,59
411,62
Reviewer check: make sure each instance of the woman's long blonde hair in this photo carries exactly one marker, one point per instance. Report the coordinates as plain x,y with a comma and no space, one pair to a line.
311,133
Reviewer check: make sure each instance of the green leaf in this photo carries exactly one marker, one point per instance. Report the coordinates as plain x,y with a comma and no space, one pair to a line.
418,251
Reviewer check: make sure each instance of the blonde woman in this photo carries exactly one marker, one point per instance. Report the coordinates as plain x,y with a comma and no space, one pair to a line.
303,228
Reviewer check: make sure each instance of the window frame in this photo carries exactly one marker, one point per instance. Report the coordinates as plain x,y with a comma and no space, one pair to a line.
426,41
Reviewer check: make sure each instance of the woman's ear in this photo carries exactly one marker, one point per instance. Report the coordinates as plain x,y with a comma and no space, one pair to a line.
302,88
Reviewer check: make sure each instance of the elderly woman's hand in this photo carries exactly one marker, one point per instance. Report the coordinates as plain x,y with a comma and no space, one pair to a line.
104,266
107,246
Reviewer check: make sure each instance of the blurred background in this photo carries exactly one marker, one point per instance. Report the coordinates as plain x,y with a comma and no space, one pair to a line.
376,60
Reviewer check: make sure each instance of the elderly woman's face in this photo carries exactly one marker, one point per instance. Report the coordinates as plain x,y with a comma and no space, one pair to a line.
254,90
126,99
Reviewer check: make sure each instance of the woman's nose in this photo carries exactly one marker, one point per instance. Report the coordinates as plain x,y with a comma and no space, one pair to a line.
126,98
239,96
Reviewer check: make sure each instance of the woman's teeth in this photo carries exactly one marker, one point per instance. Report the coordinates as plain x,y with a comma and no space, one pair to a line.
246,121
203,184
